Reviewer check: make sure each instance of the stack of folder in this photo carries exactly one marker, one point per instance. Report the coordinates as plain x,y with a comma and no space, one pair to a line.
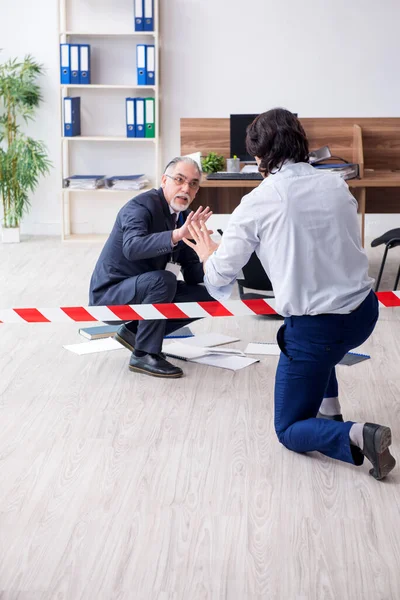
75,64
144,15
140,117
127,182
84,182
345,170
145,63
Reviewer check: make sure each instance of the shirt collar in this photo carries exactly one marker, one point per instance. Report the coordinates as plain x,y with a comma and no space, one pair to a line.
283,167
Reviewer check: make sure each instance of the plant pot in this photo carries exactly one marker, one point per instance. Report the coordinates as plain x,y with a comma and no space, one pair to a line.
10,235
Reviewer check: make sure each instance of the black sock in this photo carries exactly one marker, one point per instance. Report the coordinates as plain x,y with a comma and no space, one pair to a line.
140,353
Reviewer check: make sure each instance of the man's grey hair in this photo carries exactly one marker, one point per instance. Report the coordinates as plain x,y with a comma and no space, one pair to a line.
185,159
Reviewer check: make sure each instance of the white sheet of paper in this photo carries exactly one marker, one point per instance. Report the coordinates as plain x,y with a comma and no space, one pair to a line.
234,363
268,348
209,339
180,349
103,345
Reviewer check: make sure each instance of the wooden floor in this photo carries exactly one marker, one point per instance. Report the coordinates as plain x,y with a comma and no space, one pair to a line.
117,486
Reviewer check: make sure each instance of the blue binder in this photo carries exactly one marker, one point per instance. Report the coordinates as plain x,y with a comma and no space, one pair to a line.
65,71
139,15
84,64
150,65
72,116
139,116
148,15
141,64
130,111
74,63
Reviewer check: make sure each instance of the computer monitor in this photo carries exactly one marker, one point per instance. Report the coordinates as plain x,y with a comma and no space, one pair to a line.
239,124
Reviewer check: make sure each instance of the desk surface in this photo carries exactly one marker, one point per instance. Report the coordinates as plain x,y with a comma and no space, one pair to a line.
378,178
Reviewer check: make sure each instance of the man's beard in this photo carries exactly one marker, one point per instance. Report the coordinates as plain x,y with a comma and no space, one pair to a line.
178,207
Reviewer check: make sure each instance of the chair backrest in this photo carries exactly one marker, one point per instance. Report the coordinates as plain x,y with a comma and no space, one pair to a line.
255,276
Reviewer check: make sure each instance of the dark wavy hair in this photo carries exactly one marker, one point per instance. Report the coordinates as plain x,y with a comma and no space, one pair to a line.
275,136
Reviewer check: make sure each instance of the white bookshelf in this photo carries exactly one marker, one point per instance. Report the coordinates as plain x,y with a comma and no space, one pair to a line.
109,138
102,86
81,21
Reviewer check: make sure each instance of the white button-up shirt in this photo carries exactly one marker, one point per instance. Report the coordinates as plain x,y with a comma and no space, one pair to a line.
303,225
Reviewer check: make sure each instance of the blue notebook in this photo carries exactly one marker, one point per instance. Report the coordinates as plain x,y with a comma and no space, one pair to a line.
352,358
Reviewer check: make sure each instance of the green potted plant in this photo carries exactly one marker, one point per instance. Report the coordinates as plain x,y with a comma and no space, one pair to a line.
22,159
213,162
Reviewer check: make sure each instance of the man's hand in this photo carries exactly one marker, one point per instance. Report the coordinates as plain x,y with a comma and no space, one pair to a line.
199,215
204,246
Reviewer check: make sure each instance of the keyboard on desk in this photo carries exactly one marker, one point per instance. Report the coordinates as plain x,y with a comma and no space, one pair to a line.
227,176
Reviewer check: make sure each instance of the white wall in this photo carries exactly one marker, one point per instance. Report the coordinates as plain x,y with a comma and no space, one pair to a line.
317,58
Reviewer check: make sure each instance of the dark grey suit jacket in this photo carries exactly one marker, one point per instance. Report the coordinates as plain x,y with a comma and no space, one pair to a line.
140,242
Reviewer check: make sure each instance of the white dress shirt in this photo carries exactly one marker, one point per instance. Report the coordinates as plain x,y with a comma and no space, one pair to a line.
304,228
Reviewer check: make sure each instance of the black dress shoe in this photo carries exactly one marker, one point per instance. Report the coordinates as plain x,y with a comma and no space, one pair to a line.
330,417
377,440
125,337
155,365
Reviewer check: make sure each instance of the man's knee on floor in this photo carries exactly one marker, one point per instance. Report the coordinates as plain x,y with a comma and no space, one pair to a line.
280,432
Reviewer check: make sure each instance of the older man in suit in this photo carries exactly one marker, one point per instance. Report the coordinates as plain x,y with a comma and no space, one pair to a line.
137,263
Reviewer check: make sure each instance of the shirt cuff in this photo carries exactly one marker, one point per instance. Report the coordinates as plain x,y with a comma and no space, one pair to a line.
219,293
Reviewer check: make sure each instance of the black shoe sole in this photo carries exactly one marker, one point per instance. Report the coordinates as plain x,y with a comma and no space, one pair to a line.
338,418
384,462
123,342
145,372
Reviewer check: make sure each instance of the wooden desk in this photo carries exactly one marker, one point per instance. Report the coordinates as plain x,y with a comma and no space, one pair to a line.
372,143
223,196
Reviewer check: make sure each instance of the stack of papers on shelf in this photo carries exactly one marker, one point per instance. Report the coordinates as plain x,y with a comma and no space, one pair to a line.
84,182
127,182
345,170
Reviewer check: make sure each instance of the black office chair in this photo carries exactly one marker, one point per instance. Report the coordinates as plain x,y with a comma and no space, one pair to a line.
255,278
391,239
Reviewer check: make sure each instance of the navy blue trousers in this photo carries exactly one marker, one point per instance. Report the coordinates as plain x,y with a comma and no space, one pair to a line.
310,349
158,287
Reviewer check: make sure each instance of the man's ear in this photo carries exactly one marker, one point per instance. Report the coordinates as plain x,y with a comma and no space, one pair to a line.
163,180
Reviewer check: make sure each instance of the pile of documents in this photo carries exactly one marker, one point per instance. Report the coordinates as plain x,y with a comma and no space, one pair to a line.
84,182
127,182
345,170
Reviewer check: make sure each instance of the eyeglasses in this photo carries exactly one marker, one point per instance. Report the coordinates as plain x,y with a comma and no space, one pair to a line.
179,180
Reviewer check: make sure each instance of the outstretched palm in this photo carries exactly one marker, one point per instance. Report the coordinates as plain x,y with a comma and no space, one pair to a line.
194,217
204,246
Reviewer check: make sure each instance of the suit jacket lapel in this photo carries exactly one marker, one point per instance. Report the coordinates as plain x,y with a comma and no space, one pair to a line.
168,217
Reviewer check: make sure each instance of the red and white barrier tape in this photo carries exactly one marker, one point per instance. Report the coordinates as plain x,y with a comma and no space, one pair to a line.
147,312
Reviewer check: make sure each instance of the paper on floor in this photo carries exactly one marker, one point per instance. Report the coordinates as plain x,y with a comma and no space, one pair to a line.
188,351
103,345
234,363
266,348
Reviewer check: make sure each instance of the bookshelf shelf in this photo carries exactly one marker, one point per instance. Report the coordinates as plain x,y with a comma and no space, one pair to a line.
110,138
113,58
131,193
101,86
109,34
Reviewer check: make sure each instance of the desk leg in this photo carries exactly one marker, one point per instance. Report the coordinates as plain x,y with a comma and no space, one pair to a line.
361,206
